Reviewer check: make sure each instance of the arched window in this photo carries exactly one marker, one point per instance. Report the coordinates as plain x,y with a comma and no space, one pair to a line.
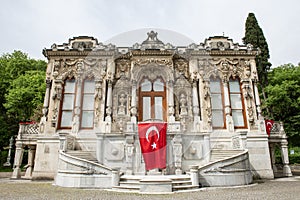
217,103
237,104
87,104
67,105
152,99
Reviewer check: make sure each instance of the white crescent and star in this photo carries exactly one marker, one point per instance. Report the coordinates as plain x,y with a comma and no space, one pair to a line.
152,128
269,124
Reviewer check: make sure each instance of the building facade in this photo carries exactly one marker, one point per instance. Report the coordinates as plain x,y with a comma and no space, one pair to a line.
97,95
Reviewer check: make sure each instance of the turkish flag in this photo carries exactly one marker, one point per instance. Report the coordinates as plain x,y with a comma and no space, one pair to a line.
153,142
269,125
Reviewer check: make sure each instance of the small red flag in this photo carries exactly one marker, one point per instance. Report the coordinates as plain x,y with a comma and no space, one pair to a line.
153,142
269,125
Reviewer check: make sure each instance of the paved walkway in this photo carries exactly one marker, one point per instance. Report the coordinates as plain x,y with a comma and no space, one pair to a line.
283,188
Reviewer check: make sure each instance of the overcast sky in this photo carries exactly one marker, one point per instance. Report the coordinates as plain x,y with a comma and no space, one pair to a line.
31,25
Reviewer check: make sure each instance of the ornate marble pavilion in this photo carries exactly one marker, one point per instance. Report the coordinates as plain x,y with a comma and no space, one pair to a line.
97,94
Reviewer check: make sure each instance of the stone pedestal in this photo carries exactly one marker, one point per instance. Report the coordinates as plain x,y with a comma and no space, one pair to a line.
100,147
194,175
115,177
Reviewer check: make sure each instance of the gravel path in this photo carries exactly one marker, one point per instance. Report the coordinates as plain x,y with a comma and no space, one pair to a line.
286,188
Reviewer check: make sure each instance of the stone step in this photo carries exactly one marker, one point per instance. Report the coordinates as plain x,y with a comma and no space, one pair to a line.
86,155
127,188
219,154
129,183
221,151
176,183
184,187
132,183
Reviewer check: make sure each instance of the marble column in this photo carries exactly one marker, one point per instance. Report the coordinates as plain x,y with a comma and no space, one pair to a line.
18,160
133,108
31,156
285,159
76,119
196,106
257,100
45,105
273,159
7,163
171,109
56,97
229,121
98,99
109,102
47,97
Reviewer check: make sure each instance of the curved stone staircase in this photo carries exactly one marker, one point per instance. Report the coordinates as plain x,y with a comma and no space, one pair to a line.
226,168
80,169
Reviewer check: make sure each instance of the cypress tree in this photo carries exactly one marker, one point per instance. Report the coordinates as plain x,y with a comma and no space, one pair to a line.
255,36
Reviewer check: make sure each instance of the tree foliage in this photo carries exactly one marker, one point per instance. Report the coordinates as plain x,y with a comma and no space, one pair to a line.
21,90
283,93
25,95
255,36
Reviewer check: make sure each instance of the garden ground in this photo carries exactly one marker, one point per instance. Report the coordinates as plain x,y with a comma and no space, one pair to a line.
282,188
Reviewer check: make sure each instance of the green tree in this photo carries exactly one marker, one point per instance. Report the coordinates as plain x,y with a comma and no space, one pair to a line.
255,36
283,93
13,66
25,95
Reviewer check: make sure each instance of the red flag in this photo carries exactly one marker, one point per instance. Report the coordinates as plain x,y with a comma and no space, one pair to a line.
153,142
269,125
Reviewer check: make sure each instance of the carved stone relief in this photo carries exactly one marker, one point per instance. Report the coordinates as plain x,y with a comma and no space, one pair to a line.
114,151
123,67
183,101
181,68
207,102
194,151
248,95
121,104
